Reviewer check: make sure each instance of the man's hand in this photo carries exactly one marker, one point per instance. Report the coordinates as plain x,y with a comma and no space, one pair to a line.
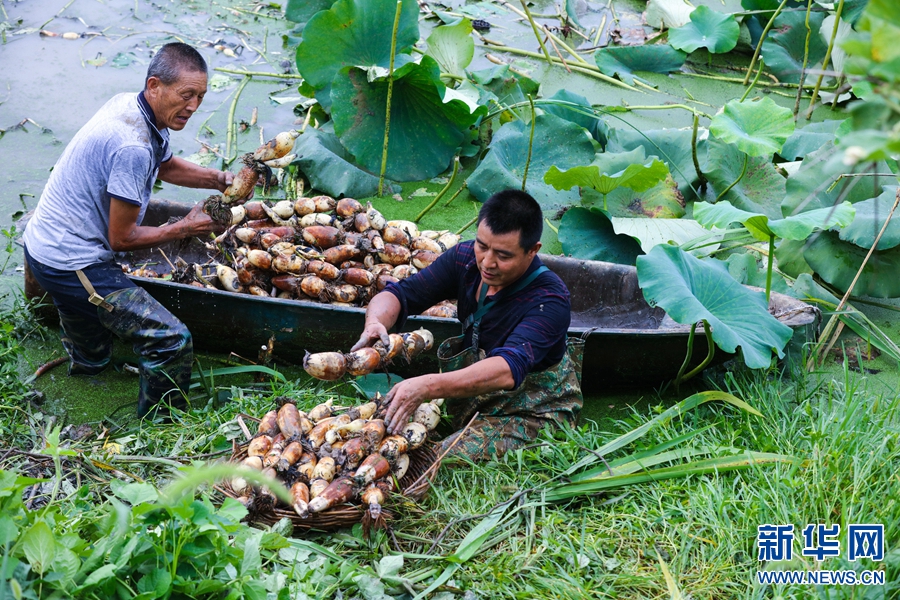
373,332
403,400
223,180
198,223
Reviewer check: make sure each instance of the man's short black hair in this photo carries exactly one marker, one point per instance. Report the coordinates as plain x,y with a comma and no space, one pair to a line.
172,60
514,210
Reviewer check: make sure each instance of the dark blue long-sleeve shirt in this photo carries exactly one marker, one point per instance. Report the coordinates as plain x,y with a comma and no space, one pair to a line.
527,328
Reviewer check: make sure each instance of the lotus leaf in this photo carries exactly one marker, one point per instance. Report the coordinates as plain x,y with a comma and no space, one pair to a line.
870,217
662,201
588,234
452,47
652,232
354,33
707,29
810,138
585,116
692,290
625,60
301,11
789,255
329,167
785,45
666,14
797,227
673,146
556,143
426,132
757,191
837,263
609,171
746,269
756,128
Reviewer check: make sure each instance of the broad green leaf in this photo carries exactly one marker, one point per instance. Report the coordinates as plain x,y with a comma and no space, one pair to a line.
662,201
330,168
39,546
376,383
8,530
812,186
609,171
452,47
570,11
785,45
425,133
157,582
301,11
759,190
837,263
870,217
390,565
252,561
691,290
707,29
652,232
584,116
789,257
354,33
254,590
134,493
797,227
623,61
588,234
757,128
506,87
809,139
66,563
672,146
102,574
557,143
748,269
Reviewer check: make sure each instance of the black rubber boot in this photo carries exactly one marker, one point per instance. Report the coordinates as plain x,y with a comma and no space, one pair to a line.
87,342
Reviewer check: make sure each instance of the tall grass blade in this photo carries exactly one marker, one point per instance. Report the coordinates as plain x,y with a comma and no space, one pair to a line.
671,584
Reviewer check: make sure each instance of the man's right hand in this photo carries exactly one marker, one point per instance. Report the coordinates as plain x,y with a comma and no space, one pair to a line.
373,332
198,223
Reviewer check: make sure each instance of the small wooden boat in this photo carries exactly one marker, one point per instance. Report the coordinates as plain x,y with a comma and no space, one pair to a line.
629,343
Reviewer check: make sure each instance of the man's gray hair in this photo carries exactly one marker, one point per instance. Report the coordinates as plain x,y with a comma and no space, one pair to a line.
172,60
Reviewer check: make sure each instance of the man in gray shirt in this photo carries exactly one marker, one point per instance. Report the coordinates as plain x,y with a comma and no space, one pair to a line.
92,207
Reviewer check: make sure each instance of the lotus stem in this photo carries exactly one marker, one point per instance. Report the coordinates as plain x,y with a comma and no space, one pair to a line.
735,182
556,48
537,34
769,268
467,225
770,84
762,38
709,356
387,108
530,142
255,74
832,322
457,193
229,138
762,65
700,177
805,60
834,30
687,358
443,191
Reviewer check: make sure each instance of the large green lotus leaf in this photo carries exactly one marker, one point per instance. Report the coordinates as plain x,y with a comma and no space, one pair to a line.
691,290
870,217
609,171
757,128
588,234
354,33
662,201
789,257
759,190
425,134
557,142
748,270
810,138
808,188
506,87
301,11
625,60
652,232
837,262
452,47
707,29
797,227
785,45
330,168
584,116
673,146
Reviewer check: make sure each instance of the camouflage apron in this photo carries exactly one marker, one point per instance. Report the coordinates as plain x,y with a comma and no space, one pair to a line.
510,419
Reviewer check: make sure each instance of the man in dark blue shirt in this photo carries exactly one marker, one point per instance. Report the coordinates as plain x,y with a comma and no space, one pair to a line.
513,363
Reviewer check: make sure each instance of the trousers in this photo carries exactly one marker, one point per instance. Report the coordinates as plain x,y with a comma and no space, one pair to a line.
161,341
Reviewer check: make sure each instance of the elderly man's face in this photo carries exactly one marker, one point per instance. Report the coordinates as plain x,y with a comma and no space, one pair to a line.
500,258
174,104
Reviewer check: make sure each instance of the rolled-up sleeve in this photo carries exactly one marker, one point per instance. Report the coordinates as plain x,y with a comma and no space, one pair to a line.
439,281
534,337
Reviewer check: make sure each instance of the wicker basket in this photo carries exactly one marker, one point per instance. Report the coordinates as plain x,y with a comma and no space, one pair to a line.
415,484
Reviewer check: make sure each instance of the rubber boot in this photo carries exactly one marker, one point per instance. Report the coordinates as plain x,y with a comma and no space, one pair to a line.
87,343
162,343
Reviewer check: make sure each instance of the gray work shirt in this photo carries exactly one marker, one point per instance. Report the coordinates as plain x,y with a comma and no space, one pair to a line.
116,154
